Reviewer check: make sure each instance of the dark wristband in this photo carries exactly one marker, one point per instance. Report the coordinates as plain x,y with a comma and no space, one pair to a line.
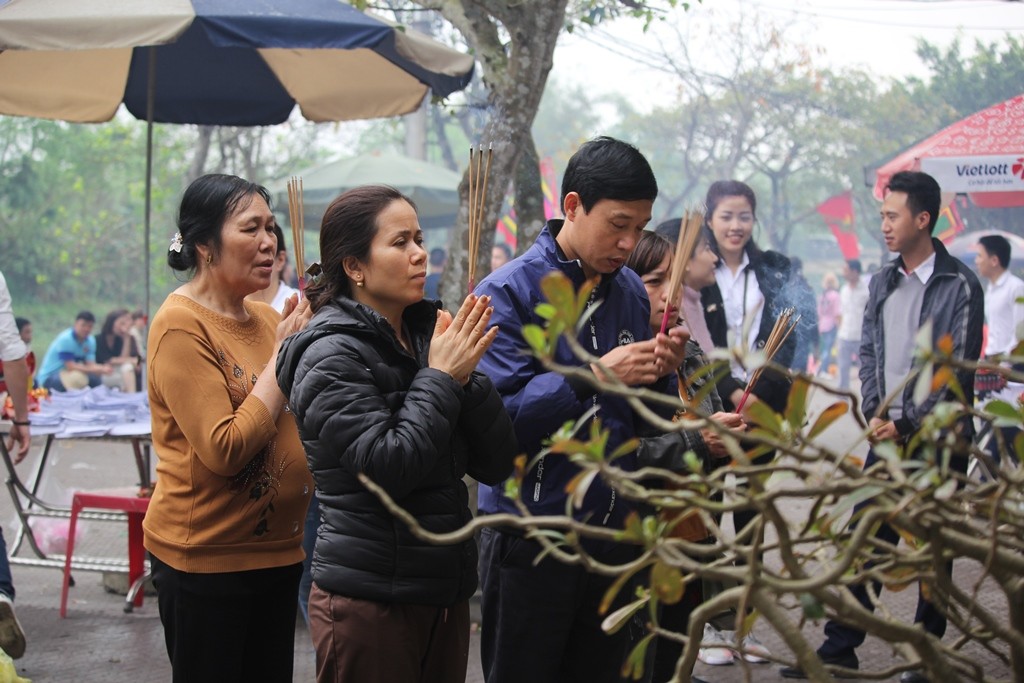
20,423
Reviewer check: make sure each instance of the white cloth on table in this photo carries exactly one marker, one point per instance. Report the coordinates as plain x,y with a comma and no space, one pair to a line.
99,411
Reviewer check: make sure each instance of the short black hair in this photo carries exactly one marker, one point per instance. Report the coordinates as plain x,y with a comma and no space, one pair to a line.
669,229
22,322
606,168
507,250
923,194
650,251
998,246
438,256
854,265
279,234
87,316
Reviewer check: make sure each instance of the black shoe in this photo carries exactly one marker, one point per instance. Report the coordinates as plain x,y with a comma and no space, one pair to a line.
848,661
913,677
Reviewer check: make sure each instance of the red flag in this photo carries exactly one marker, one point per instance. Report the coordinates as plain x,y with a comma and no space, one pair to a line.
948,224
838,214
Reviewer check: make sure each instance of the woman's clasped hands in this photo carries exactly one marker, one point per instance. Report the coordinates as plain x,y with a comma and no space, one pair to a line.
459,343
294,317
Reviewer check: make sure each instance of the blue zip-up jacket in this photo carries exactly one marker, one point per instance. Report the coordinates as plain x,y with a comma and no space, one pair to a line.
539,401
955,304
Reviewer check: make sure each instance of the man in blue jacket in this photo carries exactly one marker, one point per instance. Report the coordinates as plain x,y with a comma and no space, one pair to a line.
923,284
541,623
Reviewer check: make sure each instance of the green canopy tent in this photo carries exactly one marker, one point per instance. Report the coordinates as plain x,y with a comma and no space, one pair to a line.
434,189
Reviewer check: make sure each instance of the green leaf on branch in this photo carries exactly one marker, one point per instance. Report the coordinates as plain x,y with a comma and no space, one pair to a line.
693,462
578,486
632,529
620,617
945,490
827,417
625,448
537,339
558,291
582,297
666,583
1006,415
796,403
545,310
846,502
888,450
762,415
923,385
923,341
1018,445
634,665
613,590
717,370
811,606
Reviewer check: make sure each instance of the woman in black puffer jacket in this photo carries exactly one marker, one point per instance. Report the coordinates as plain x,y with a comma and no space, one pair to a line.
383,383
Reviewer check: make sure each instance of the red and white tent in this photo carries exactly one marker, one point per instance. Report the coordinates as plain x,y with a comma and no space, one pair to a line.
981,155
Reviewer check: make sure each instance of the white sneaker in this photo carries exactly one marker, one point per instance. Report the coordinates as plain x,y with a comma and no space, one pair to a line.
716,650
753,649
12,638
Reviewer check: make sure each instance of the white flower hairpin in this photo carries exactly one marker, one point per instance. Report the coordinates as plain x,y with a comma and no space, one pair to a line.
175,243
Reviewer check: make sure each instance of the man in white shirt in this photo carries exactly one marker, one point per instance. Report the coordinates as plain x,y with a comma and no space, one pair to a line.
1003,313
853,299
12,353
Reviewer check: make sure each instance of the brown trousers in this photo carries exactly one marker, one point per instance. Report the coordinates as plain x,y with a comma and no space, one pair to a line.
359,641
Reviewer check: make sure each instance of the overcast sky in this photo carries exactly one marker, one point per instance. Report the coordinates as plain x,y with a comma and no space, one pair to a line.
877,35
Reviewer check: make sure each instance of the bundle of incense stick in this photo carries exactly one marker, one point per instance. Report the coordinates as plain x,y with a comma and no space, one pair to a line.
784,326
478,175
296,215
689,231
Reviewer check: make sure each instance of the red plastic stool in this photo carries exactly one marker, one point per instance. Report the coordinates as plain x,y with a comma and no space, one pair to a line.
126,500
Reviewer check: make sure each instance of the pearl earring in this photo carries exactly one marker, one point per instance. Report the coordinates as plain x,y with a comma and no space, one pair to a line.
359,283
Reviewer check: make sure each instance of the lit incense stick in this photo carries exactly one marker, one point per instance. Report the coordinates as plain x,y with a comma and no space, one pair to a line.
478,175
689,231
784,326
296,215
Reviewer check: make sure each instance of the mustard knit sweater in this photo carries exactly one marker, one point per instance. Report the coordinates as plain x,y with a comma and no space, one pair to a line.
232,487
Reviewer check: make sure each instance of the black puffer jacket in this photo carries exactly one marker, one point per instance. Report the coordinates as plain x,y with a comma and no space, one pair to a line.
772,270
364,404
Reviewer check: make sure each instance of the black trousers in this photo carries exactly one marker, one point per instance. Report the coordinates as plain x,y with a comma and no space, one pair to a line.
227,627
842,639
541,623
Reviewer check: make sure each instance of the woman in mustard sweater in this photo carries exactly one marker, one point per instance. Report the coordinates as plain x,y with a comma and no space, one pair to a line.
225,523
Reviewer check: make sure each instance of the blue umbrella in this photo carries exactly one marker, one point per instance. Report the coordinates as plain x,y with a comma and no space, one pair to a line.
214,62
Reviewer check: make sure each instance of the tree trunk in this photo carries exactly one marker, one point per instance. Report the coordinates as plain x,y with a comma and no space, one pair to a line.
529,197
516,74
202,151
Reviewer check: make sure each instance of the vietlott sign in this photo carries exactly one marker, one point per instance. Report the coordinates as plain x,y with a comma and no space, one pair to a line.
1000,173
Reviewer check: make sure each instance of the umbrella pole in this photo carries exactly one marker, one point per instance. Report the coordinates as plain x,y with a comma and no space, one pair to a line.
150,99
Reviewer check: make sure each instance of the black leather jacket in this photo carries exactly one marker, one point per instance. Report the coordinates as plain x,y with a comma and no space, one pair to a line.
364,404
955,304
772,270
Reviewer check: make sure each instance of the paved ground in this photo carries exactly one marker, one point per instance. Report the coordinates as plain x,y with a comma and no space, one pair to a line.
99,642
